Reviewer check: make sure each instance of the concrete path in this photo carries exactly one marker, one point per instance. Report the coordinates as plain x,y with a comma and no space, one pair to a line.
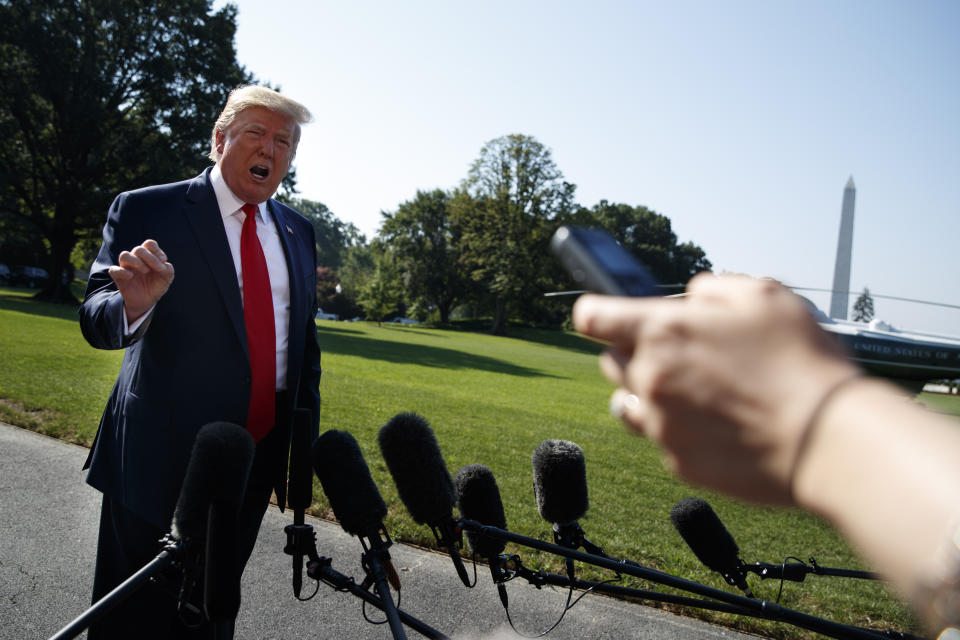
48,525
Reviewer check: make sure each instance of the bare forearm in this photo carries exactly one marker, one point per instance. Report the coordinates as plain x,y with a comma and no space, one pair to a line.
885,471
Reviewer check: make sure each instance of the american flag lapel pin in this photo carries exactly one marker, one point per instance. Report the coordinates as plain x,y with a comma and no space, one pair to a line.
289,230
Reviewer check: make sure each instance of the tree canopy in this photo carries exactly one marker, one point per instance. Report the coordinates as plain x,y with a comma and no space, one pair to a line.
101,96
482,249
104,96
333,236
426,244
649,236
512,192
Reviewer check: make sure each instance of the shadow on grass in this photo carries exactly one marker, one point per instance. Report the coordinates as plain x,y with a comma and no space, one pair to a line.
328,327
408,329
397,352
545,336
355,342
557,338
24,302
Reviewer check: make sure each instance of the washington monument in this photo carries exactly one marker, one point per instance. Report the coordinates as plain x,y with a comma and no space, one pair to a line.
840,298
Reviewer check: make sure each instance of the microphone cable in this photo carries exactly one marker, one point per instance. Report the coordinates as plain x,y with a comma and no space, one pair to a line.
478,498
566,607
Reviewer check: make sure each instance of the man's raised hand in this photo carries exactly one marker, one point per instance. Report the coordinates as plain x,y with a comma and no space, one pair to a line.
142,276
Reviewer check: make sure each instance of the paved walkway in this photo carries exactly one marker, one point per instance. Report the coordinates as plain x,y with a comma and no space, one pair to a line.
48,524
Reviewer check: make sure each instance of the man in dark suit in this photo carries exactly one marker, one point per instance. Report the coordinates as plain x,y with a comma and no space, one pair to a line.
231,338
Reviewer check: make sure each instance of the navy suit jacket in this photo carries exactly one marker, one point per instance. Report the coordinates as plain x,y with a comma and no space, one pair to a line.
188,364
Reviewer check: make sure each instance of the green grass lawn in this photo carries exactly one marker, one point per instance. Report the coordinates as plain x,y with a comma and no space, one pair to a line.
490,400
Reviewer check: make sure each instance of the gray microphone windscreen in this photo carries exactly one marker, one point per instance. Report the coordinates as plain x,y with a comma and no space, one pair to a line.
345,478
413,457
479,500
705,534
560,481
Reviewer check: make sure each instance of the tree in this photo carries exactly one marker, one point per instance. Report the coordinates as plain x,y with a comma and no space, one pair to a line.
505,207
426,245
649,236
101,96
357,270
333,236
863,307
381,294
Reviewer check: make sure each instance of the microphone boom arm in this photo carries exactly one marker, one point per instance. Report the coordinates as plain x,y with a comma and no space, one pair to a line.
449,537
762,608
302,539
172,550
797,571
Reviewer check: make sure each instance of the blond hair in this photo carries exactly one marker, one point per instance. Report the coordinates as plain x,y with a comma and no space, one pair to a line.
253,95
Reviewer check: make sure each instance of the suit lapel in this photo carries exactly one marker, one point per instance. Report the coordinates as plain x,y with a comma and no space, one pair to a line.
203,215
295,260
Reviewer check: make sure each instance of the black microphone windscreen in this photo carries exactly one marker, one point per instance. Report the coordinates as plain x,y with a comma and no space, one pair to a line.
706,536
221,570
345,477
413,457
479,499
560,481
300,486
218,470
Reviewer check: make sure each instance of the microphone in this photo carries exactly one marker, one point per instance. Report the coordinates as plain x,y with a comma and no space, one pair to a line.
207,510
560,489
412,454
357,505
299,490
210,498
709,540
478,498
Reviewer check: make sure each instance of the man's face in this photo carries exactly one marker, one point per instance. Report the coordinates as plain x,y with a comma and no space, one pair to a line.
255,152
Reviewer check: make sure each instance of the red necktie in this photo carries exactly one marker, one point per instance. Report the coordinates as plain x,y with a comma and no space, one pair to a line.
261,335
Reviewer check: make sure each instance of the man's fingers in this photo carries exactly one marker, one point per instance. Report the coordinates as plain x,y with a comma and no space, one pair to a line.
119,274
131,262
151,245
149,259
144,258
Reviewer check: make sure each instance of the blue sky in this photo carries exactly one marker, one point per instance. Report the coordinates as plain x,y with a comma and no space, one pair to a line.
740,121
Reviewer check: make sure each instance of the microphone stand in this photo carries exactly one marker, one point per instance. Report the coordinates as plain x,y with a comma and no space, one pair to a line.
538,579
302,539
172,549
571,536
516,569
760,608
374,559
300,486
797,571
449,538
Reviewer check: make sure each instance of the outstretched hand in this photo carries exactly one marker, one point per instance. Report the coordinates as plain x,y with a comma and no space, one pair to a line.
142,276
726,379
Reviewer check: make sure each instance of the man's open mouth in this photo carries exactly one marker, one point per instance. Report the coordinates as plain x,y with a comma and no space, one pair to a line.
260,171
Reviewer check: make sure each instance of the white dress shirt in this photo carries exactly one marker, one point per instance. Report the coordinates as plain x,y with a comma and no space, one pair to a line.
233,217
